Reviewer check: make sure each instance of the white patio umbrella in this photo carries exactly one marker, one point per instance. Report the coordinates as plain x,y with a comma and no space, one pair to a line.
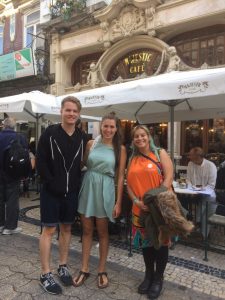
189,95
30,107
34,106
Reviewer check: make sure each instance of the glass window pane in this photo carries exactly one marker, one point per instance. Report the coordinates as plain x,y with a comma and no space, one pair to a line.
187,46
211,43
180,47
203,44
194,135
187,57
217,136
210,58
34,17
203,56
220,55
220,40
194,45
194,55
29,36
1,29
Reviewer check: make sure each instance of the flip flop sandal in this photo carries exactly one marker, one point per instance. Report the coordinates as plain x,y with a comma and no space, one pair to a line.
101,284
82,277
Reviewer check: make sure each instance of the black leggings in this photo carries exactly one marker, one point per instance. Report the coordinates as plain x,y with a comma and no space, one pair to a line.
154,257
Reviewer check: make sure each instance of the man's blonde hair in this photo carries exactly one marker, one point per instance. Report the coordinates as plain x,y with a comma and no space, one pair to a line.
73,100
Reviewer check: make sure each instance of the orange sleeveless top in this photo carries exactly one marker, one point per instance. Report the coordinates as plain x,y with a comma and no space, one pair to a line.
142,176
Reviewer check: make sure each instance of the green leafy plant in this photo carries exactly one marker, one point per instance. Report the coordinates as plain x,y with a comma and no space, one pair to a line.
66,8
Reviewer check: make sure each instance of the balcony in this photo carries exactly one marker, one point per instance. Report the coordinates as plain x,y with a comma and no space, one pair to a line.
66,8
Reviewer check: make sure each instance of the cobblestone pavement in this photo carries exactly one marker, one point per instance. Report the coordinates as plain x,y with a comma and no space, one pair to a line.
183,280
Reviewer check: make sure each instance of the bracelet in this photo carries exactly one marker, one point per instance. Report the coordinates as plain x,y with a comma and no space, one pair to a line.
135,200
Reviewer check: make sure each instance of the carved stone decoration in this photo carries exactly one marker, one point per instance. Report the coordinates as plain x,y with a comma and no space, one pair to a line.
116,2
93,76
77,87
118,80
204,66
105,37
130,21
125,18
174,60
150,20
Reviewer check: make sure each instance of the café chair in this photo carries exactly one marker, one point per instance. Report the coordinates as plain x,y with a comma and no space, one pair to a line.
217,219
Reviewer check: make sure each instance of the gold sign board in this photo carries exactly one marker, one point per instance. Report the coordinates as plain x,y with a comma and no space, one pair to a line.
135,63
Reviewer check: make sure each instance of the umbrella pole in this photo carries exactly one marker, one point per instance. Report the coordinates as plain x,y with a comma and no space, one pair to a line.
171,108
37,129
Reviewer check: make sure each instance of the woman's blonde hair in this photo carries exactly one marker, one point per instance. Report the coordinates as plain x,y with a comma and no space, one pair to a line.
152,145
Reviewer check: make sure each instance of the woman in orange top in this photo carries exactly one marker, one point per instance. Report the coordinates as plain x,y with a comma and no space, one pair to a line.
149,168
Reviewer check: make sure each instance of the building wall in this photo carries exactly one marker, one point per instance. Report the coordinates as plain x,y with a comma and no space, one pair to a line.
122,26
14,39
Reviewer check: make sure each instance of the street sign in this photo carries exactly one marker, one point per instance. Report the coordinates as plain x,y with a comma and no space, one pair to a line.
16,65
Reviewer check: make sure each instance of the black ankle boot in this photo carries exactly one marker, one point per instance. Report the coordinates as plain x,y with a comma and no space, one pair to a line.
144,287
155,288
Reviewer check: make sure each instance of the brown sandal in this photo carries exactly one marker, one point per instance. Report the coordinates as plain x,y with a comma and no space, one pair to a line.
81,278
101,284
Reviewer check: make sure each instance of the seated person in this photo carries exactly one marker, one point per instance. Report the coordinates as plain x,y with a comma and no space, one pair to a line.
202,173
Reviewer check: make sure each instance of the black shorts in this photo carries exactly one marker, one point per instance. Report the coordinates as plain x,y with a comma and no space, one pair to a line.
57,210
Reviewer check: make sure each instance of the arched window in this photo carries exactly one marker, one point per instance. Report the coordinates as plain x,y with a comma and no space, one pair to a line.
81,67
201,46
134,63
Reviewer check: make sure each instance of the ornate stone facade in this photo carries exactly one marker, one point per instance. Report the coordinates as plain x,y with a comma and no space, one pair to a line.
132,18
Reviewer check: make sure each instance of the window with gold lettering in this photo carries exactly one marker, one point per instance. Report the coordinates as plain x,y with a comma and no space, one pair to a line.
135,63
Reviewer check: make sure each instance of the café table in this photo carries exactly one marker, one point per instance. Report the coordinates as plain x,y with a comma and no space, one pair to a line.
193,197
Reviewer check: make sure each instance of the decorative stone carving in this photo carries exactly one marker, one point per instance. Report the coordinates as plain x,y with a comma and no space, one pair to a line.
77,87
105,37
131,20
93,76
118,80
204,66
174,60
124,18
150,20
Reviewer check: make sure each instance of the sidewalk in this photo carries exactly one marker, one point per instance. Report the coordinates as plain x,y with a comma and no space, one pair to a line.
20,270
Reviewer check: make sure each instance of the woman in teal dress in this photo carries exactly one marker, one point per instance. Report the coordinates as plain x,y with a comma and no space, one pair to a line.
105,158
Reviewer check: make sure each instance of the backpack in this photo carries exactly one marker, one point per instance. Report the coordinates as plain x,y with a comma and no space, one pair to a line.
16,160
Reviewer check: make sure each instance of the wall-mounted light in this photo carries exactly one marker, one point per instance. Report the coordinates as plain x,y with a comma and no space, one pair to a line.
63,30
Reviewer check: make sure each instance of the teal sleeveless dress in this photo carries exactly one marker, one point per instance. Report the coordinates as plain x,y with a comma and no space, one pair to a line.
97,193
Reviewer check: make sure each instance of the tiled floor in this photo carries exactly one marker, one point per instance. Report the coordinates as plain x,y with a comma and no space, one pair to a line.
186,265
